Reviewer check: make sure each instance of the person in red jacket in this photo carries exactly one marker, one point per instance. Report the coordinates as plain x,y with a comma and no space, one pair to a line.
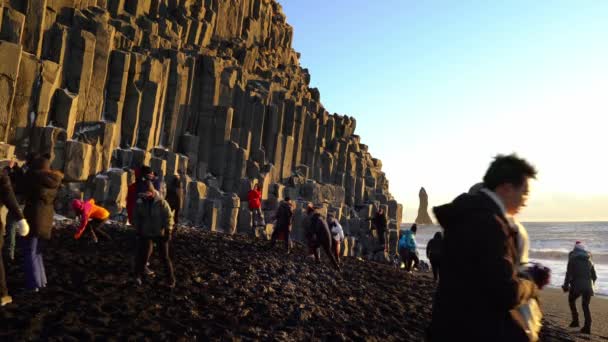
98,216
255,206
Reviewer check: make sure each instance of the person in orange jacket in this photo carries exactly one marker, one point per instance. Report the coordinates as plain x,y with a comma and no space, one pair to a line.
98,216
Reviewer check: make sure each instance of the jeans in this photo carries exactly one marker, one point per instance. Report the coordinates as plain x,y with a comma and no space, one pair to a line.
33,266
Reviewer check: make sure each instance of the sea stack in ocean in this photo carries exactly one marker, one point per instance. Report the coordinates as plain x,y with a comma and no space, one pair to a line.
209,89
423,209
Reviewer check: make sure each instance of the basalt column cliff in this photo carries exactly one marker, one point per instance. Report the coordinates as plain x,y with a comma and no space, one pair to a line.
212,89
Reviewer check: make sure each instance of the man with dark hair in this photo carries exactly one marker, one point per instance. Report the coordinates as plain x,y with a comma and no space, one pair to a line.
478,283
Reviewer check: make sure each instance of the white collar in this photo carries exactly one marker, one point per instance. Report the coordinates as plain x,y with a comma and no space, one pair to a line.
496,199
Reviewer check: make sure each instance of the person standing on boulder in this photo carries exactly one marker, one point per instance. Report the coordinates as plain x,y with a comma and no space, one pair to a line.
254,198
175,197
433,253
91,216
580,279
153,220
43,184
318,235
380,223
478,258
337,234
8,199
282,229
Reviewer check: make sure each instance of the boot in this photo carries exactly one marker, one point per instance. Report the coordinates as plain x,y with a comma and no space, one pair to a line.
586,329
574,323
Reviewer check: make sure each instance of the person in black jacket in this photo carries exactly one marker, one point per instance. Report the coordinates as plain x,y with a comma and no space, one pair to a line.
478,283
7,198
175,197
380,224
433,253
580,279
39,211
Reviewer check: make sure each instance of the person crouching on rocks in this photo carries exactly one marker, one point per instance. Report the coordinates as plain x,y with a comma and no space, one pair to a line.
43,184
153,220
318,235
337,235
284,218
92,218
8,199
407,248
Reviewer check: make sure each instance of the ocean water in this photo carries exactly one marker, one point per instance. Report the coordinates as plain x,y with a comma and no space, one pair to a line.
550,243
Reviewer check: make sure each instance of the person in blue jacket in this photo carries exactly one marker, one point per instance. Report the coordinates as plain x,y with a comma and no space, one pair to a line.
407,248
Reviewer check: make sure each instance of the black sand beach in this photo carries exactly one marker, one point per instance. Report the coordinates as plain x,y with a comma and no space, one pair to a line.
229,287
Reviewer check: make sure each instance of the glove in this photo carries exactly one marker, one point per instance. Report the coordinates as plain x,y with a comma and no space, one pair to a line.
22,227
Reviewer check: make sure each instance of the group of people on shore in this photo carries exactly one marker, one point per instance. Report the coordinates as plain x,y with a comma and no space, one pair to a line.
29,193
320,232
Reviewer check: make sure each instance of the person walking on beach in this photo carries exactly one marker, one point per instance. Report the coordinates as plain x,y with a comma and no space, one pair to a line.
175,197
579,281
380,223
478,257
43,184
254,198
92,218
284,219
318,235
433,253
408,249
337,234
153,220
8,199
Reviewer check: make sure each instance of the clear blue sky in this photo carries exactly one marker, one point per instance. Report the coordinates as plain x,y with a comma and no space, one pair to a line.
439,87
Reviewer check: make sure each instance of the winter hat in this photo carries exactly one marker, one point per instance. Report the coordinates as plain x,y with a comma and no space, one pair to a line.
579,245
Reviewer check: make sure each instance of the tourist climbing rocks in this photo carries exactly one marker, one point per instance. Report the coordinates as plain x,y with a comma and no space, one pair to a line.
318,235
284,220
8,199
337,235
380,223
92,218
153,221
254,198
43,184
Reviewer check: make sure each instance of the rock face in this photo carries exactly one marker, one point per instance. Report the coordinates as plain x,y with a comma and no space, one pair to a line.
423,210
211,89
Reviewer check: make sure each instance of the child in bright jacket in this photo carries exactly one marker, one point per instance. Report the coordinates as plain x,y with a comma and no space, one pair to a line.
98,216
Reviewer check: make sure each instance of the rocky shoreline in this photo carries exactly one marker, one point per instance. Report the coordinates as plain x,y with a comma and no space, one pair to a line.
229,287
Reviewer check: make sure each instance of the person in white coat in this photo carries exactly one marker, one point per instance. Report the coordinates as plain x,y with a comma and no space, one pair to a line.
337,235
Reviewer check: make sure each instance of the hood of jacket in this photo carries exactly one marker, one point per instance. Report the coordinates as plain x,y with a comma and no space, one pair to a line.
48,179
463,208
580,253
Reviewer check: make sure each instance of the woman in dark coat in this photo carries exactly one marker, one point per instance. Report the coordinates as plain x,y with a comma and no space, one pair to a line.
433,252
39,211
175,197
